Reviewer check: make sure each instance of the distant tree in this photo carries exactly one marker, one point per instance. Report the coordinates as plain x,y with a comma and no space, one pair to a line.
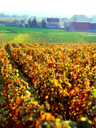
7,22
26,25
39,24
20,25
22,21
43,24
16,22
29,23
34,22
1,22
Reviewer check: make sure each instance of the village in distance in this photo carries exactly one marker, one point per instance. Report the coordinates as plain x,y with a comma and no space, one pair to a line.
75,23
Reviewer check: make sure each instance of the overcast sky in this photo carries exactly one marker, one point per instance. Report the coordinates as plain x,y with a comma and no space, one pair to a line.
59,7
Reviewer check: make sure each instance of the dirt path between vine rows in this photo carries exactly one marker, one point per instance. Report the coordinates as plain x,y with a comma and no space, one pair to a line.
22,75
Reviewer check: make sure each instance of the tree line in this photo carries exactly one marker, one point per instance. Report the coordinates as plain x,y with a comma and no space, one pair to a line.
23,23
34,23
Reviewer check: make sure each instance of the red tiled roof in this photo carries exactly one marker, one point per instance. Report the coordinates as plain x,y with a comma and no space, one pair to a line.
52,19
81,25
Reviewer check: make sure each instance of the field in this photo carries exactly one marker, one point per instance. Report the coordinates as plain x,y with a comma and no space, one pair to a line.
32,35
47,84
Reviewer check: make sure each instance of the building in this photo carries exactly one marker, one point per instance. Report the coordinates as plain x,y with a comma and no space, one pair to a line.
61,27
93,27
52,22
79,26
66,25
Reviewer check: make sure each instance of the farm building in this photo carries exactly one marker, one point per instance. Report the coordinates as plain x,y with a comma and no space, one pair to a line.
66,25
92,27
80,26
52,22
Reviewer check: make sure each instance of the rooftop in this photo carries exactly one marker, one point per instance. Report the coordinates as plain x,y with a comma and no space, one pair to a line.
52,19
81,25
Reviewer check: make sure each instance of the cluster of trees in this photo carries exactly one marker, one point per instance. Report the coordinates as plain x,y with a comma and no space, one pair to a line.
13,23
33,23
23,23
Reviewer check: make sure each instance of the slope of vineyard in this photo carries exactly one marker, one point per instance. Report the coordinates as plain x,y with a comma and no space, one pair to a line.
64,79
18,96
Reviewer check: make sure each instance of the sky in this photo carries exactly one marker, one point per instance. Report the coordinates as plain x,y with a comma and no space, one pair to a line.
53,7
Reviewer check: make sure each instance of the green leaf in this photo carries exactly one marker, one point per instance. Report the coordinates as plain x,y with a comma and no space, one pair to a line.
68,85
66,64
30,118
93,92
61,81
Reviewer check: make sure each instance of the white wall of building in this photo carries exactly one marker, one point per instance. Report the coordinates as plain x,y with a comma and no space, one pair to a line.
52,24
71,28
